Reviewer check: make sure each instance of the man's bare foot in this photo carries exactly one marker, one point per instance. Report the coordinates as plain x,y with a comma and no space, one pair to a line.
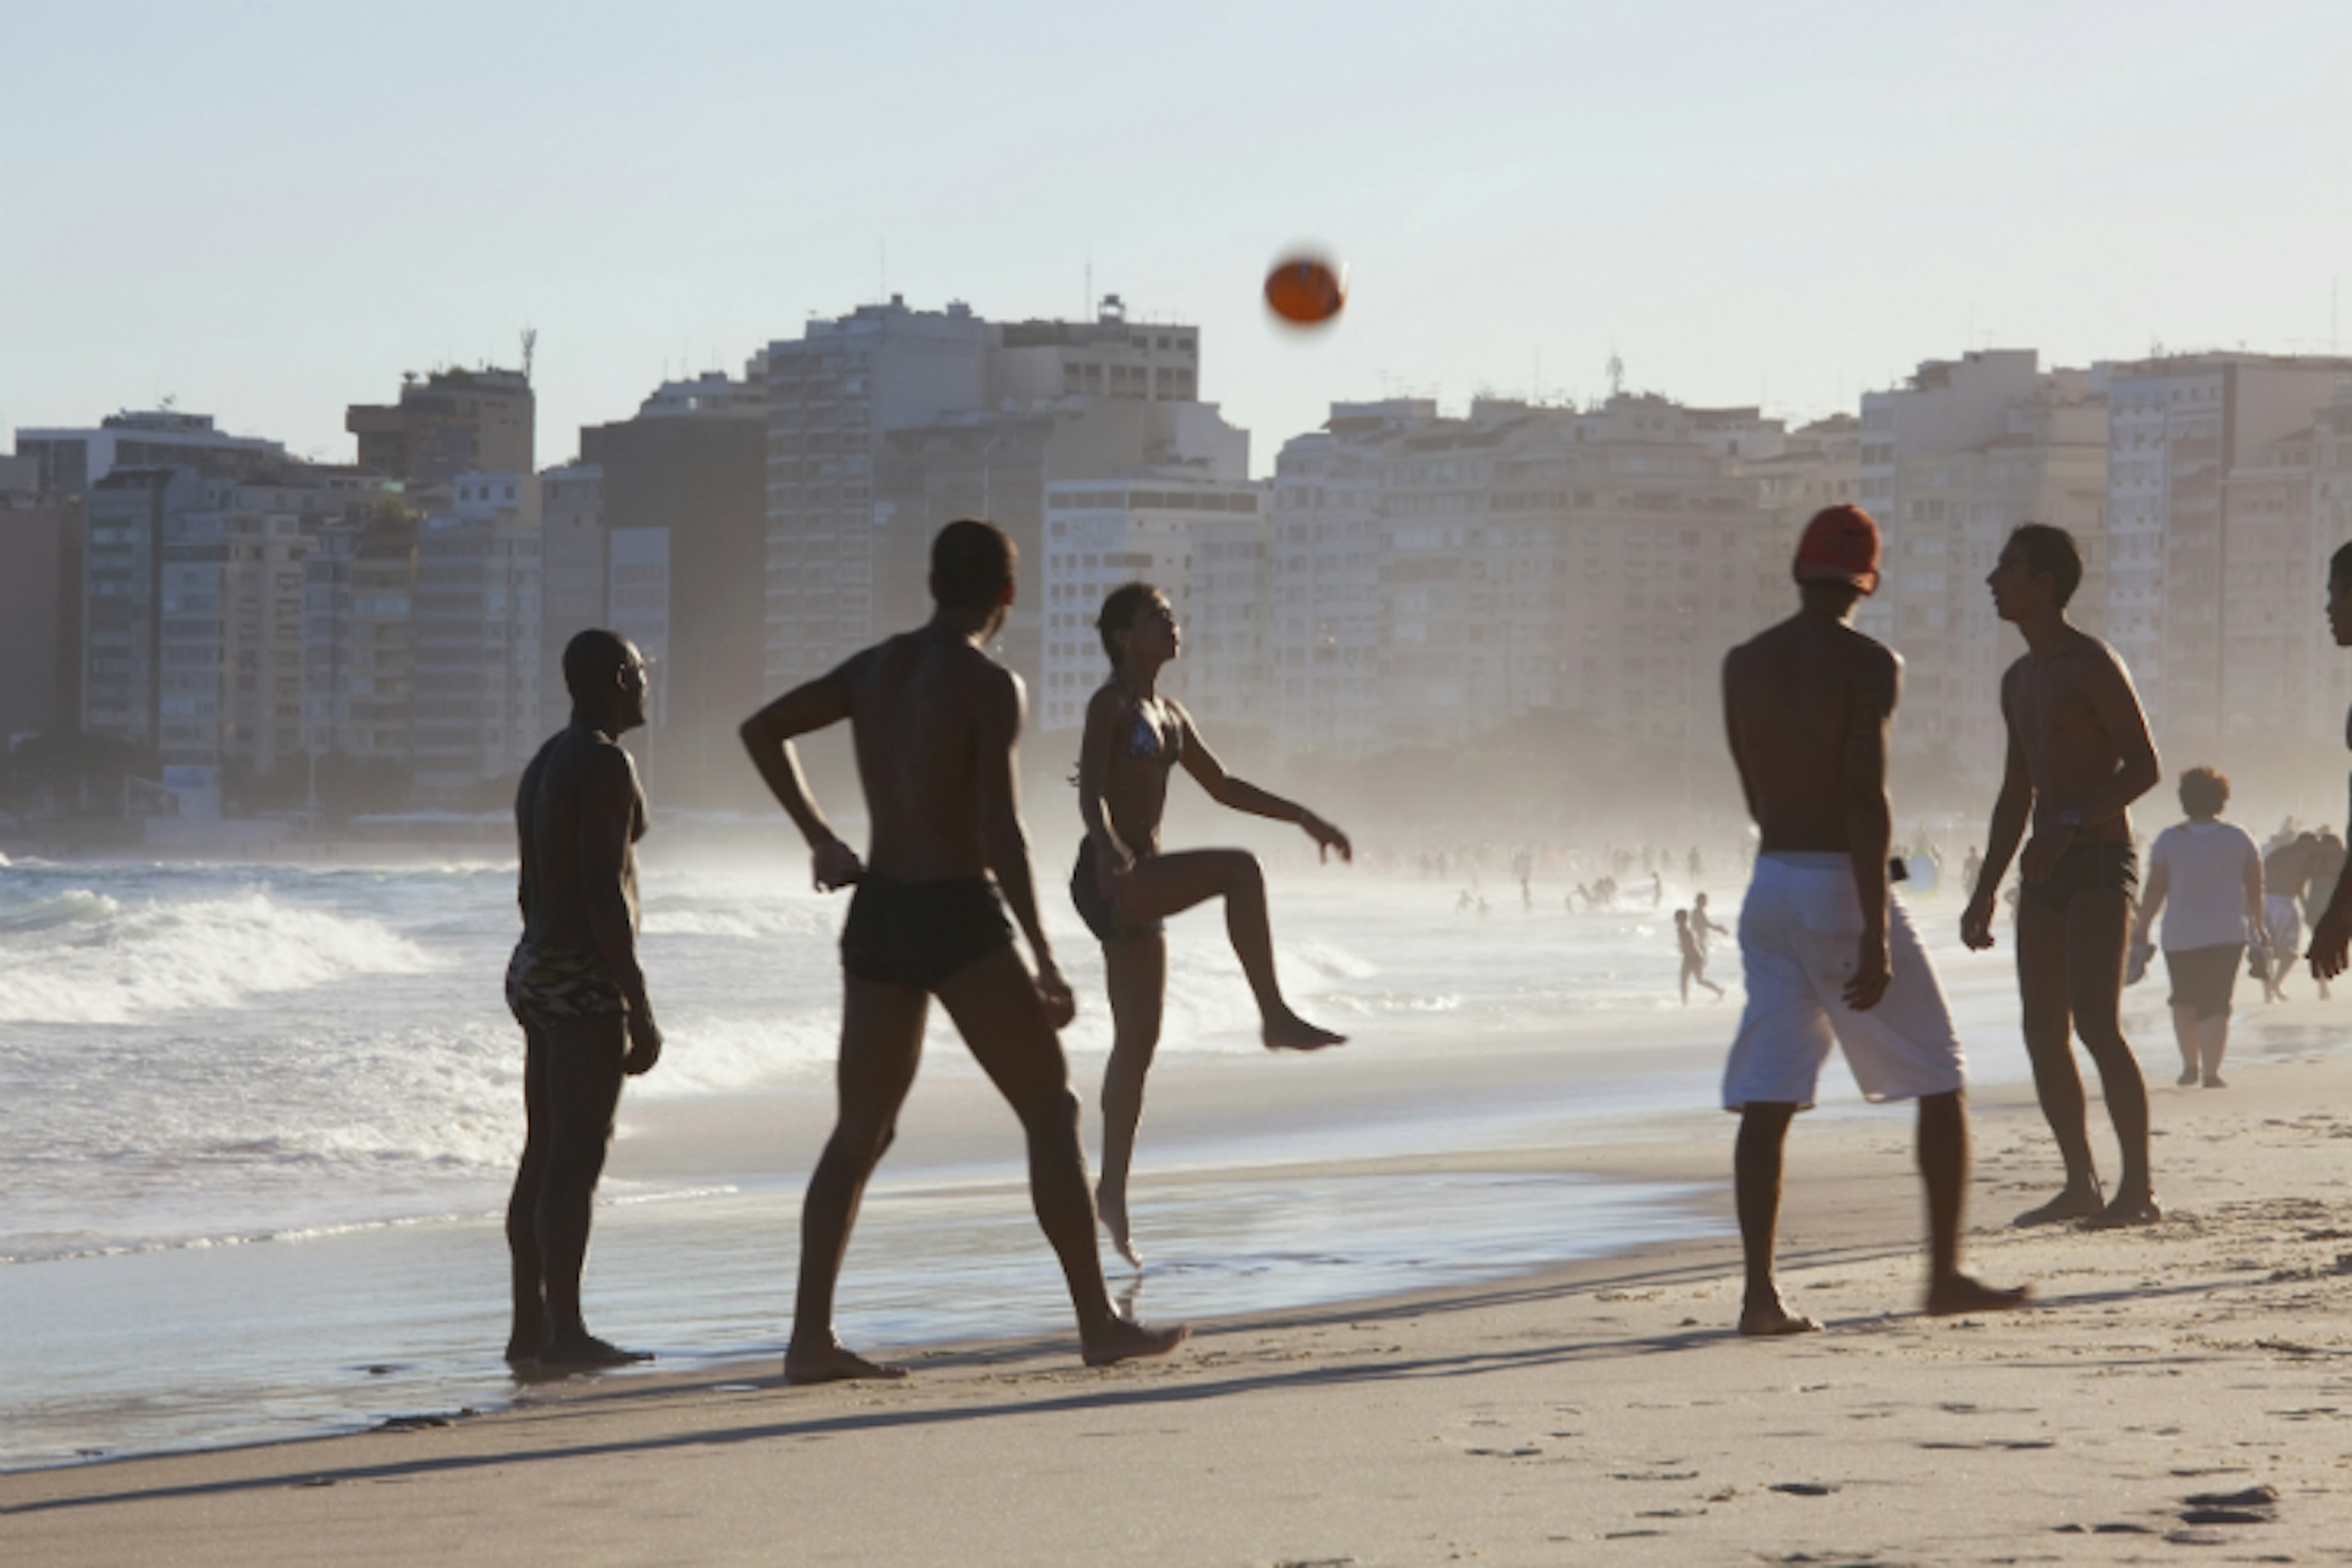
1289,1031
1769,1319
1949,1298
2074,1203
1111,1206
2140,1209
585,1354
522,1353
834,1362
2215,1082
2187,1079
1123,1339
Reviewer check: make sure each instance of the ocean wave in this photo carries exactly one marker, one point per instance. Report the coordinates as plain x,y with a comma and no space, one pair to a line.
82,957
752,923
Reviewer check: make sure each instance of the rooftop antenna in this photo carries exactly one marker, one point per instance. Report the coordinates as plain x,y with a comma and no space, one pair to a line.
530,350
1088,309
882,270
1616,374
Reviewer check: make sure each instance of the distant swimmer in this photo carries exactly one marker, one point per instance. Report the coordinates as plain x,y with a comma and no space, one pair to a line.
935,721
575,985
2286,872
1830,956
2331,933
2079,754
1124,886
1694,957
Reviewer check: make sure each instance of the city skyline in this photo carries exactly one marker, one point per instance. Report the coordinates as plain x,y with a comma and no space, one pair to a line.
1827,193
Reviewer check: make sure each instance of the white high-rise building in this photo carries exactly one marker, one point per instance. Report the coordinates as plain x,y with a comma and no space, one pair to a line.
478,637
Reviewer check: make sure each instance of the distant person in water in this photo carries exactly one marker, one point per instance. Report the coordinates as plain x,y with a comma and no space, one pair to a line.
2331,933
1125,887
2207,877
2319,892
2079,754
1829,957
934,721
1694,957
575,985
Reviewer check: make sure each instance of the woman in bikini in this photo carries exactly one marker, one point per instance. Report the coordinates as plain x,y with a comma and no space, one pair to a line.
1124,886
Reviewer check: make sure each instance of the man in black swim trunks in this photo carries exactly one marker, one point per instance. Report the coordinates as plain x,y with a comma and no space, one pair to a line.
934,721
574,986
2079,754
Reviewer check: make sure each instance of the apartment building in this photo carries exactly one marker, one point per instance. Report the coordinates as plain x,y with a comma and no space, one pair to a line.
449,423
477,638
40,604
572,586
72,460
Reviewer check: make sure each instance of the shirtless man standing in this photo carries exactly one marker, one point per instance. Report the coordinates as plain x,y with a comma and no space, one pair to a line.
574,986
1828,956
2079,754
2331,933
935,721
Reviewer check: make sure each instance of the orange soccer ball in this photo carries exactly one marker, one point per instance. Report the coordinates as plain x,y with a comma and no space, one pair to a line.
1305,290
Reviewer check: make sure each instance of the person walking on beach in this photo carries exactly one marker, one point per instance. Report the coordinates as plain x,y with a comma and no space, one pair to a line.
1124,888
2079,754
2286,871
1694,956
2207,877
2319,891
1829,956
2331,933
935,721
575,985
1703,925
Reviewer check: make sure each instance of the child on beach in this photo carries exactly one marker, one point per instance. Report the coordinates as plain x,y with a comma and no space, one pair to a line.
1694,957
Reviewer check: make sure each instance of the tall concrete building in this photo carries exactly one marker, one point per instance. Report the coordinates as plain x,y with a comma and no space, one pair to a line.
450,423
1589,564
72,460
1200,541
681,496
477,638
2178,428
40,605
359,649
130,514
572,585
888,423
1951,463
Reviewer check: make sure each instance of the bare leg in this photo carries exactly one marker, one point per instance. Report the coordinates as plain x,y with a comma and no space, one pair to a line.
881,1044
1163,885
2213,1038
2098,930
1944,1166
582,1093
995,1007
1138,970
522,1207
1686,979
1755,1185
2188,1030
2042,985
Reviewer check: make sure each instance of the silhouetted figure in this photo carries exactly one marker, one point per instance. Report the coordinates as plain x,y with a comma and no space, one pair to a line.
1971,869
1694,957
575,985
2287,871
2079,754
2319,891
1125,888
1829,956
2331,935
935,721
2207,877
1703,926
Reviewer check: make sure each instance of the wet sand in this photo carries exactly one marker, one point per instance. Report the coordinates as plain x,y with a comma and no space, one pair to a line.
1595,1412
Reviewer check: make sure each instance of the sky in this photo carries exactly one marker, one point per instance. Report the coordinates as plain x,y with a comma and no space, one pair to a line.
268,211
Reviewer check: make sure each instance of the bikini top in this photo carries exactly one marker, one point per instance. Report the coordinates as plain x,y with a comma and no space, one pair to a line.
1146,742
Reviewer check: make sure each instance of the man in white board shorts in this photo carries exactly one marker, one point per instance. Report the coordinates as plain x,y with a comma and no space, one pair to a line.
1828,955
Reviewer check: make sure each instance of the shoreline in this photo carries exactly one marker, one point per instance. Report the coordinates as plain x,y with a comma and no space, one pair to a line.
1604,1402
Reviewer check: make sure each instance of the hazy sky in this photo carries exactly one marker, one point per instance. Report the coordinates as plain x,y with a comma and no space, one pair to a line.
270,210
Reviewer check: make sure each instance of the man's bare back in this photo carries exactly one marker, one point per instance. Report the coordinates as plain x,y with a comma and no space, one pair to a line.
1792,697
914,706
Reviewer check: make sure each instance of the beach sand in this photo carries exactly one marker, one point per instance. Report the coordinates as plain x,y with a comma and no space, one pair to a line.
1596,1412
